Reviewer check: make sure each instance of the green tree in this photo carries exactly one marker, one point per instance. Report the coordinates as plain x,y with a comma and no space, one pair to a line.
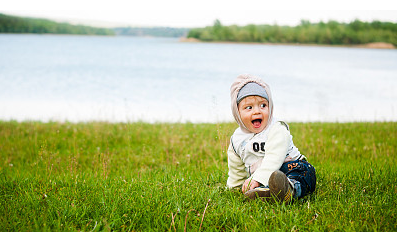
331,32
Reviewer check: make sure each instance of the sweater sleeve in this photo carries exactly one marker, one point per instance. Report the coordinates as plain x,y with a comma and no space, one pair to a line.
237,173
276,149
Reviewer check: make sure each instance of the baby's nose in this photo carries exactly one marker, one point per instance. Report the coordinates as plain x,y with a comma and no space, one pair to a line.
256,110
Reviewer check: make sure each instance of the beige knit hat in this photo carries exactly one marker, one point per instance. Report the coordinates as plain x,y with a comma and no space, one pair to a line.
236,86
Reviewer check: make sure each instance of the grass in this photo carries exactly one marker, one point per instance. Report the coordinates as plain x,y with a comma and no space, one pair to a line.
171,177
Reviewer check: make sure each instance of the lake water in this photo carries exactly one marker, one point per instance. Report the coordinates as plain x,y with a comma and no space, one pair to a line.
84,78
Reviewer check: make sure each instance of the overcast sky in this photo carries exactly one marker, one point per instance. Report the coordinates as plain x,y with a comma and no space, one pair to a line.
200,13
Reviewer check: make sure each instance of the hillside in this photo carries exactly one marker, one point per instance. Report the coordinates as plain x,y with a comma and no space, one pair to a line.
332,32
151,31
13,24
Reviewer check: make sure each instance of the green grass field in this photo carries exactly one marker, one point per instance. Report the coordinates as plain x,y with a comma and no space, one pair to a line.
171,177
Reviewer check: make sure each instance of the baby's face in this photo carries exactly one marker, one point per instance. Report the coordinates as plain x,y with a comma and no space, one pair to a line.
254,112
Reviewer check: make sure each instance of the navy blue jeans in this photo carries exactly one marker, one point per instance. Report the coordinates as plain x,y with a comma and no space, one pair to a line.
302,172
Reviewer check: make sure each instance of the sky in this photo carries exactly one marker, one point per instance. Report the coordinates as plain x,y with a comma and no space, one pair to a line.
200,13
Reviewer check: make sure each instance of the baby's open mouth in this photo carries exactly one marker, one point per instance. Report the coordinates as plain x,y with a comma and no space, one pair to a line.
257,123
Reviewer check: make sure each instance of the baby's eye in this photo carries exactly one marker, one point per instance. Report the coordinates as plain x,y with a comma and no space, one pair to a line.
263,105
248,107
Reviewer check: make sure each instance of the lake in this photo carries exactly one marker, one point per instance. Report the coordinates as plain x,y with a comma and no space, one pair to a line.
128,79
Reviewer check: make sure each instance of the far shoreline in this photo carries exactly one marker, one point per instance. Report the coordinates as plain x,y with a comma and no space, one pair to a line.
376,45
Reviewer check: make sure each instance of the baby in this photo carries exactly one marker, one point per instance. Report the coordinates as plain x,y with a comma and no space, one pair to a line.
262,157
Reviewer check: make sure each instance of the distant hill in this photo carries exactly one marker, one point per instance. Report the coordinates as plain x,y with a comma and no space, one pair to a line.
332,32
14,24
152,31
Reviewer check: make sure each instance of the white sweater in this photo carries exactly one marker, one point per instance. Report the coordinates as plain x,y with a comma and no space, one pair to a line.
258,155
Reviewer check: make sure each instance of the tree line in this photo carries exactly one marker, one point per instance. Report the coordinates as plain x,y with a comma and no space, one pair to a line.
13,24
331,32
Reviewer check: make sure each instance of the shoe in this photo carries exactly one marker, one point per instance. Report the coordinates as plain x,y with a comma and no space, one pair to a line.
260,192
280,187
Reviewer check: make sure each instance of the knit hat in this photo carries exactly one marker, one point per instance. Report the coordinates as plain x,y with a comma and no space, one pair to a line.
251,89
237,85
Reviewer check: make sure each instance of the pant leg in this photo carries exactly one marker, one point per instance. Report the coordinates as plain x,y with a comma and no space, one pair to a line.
303,172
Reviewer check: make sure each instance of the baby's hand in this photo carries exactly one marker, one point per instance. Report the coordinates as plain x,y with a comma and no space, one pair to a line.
249,185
